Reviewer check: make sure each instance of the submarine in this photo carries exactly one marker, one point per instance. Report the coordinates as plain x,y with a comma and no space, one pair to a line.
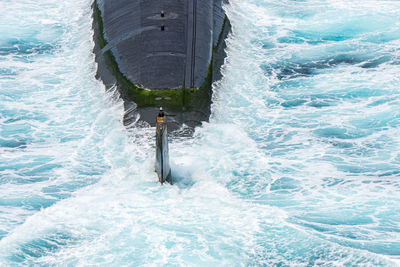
161,53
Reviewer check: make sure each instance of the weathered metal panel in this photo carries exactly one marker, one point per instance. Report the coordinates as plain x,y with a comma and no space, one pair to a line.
162,44
204,39
162,166
219,16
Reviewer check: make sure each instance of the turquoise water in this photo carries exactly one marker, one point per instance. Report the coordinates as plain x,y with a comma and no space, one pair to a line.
298,166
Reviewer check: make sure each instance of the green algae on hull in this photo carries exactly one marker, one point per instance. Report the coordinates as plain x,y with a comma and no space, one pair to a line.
188,99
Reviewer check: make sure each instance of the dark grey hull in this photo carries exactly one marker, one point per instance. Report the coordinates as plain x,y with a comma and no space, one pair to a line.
161,53
162,166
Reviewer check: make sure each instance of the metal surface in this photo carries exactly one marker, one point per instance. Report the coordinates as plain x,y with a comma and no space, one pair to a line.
162,44
162,153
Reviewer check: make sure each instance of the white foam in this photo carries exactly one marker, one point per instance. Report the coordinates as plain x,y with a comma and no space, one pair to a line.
261,184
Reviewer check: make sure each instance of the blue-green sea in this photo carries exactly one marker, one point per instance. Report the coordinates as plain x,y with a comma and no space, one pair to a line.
299,164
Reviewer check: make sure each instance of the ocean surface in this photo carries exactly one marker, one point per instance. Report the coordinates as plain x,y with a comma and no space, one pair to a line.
298,166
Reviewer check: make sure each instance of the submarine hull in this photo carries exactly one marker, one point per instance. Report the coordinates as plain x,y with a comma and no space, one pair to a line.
161,53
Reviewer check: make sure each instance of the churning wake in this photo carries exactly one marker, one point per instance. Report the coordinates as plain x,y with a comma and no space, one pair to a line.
299,164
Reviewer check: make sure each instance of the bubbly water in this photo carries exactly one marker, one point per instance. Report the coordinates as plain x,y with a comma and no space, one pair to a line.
299,164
